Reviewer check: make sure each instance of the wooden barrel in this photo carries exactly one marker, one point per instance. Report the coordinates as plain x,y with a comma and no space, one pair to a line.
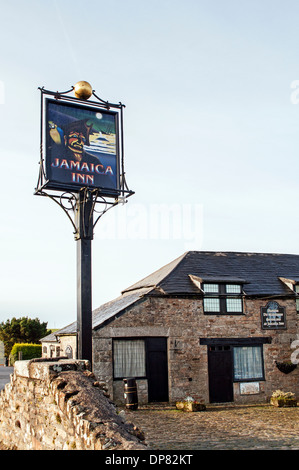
130,393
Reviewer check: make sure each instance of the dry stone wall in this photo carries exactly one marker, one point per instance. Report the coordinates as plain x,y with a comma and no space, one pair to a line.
59,405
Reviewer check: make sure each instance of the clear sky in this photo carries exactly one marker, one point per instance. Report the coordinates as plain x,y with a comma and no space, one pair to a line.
211,137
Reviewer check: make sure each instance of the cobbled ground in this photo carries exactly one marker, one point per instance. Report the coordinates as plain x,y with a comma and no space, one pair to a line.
258,427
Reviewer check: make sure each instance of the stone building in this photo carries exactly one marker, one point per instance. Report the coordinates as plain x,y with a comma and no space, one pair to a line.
214,326
60,343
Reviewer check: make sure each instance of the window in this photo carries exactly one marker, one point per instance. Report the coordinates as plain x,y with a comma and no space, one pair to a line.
211,305
129,358
211,288
222,298
233,305
69,351
248,363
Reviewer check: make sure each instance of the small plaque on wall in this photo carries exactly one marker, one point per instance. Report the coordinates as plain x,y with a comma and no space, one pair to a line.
249,388
273,316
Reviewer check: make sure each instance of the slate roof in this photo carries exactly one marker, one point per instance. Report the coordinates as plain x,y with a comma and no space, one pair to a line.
106,311
67,330
51,338
260,274
117,306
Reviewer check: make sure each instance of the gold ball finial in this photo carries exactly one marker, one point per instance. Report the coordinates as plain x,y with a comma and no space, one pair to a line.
83,90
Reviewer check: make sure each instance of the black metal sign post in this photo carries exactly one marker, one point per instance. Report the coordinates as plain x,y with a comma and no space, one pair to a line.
84,236
81,168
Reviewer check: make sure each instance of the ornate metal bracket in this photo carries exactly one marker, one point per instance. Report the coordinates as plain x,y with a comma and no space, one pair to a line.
71,203
62,94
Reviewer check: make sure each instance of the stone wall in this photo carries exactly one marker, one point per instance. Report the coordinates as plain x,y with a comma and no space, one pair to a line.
59,405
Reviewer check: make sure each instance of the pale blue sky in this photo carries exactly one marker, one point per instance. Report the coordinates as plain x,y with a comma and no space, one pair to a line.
211,130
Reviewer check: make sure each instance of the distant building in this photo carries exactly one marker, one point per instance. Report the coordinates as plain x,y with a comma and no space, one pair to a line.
216,326
57,344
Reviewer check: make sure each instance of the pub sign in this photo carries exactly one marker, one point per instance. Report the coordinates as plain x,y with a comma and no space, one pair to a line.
273,316
81,147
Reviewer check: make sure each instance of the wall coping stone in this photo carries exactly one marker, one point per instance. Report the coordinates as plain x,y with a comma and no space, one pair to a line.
58,404
44,369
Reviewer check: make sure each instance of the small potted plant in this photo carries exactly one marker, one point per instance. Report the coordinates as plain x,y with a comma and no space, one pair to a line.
189,404
280,398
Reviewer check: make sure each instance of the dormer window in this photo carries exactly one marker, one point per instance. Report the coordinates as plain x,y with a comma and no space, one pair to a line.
222,298
293,284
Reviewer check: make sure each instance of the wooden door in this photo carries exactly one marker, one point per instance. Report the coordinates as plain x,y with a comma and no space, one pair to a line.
220,363
157,369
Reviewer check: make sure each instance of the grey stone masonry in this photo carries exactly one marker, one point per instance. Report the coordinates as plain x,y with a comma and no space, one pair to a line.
59,405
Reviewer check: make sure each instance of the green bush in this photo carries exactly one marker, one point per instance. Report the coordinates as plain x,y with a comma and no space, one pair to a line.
28,350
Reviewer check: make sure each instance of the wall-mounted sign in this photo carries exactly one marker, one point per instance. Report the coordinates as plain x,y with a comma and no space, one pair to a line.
81,147
249,388
273,316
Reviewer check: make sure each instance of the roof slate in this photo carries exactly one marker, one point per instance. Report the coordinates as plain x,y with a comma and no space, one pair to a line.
111,309
51,338
156,277
260,271
106,311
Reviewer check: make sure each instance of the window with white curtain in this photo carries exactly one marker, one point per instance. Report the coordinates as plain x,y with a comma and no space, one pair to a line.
248,363
129,358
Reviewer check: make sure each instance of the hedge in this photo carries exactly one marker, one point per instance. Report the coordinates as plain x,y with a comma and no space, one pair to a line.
28,350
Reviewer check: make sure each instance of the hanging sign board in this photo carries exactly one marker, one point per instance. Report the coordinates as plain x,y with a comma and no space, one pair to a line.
81,147
273,316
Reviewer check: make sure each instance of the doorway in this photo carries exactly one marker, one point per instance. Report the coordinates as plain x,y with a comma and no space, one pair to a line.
157,369
220,364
